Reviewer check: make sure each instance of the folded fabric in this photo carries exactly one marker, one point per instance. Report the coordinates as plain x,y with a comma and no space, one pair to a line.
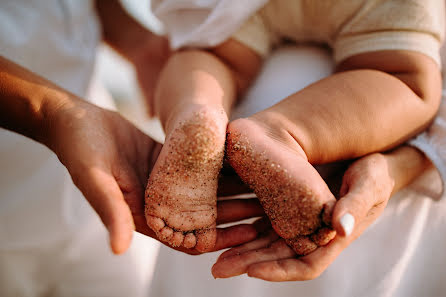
202,23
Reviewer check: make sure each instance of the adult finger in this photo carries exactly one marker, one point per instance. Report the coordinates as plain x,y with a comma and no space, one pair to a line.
365,185
281,270
147,152
156,150
299,269
234,235
259,243
226,237
350,210
141,225
239,264
131,186
238,209
104,194
312,265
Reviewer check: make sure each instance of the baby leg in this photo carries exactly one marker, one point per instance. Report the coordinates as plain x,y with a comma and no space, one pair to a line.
181,195
270,160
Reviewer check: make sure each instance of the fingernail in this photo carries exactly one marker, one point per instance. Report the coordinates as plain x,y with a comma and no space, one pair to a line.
348,223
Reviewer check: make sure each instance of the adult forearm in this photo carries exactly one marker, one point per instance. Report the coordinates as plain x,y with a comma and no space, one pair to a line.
27,101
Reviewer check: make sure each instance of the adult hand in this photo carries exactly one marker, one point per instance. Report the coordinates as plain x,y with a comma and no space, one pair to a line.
366,188
109,160
107,157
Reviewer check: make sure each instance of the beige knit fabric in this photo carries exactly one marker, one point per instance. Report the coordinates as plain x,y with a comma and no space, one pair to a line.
349,27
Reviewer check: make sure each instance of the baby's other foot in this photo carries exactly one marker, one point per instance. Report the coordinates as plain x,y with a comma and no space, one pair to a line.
181,194
294,196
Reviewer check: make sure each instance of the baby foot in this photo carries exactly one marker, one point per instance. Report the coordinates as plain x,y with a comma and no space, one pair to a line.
292,193
181,194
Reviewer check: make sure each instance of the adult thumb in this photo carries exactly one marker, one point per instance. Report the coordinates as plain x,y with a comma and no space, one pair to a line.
352,208
105,196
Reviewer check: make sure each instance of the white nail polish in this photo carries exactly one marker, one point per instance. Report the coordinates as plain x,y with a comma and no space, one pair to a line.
348,223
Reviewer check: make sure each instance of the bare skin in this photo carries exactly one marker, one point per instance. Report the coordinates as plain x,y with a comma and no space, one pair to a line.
294,196
366,187
181,204
338,113
148,53
108,158
181,194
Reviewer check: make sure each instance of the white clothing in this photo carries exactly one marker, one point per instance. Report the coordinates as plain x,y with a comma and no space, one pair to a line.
400,255
348,27
52,242
57,40
260,24
80,266
202,23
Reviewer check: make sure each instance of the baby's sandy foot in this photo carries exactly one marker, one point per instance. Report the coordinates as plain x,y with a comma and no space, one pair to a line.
181,194
294,196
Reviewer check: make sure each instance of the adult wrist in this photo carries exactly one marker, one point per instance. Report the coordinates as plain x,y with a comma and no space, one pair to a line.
54,104
26,101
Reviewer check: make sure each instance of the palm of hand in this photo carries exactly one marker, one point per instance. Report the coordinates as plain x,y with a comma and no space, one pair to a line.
366,188
108,159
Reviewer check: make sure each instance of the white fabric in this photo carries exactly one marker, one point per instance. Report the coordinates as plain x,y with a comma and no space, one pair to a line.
349,28
80,266
51,242
400,255
205,23
433,144
57,40
202,22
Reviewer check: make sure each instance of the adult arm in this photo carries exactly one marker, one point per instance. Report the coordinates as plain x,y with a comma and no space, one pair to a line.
107,157
83,136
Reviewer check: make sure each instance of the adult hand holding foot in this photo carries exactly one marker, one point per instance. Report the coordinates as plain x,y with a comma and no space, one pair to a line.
107,157
366,187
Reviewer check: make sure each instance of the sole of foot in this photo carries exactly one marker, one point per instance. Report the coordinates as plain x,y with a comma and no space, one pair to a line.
181,194
292,193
